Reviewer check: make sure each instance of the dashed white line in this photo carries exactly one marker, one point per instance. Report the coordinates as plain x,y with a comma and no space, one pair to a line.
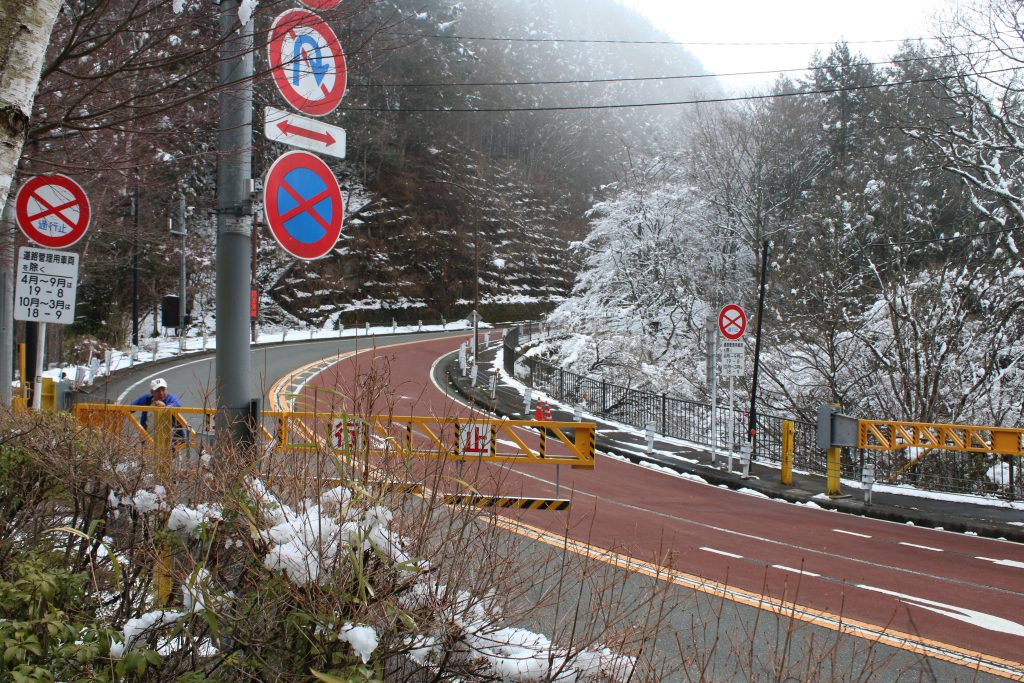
721,552
795,571
850,533
922,547
1005,563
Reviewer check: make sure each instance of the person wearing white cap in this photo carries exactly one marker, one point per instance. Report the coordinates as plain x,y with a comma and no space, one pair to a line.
157,397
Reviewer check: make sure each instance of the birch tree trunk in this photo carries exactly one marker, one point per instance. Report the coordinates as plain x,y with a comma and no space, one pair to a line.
25,27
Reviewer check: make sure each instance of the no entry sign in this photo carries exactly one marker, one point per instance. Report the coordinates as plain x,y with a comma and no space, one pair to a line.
307,62
302,203
52,210
732,322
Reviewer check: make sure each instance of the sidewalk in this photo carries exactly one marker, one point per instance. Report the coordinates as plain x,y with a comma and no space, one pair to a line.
952,515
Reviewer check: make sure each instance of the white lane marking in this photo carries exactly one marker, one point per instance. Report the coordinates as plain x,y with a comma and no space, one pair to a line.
795,571
850,533
922,547
988,622
1005,563
721,552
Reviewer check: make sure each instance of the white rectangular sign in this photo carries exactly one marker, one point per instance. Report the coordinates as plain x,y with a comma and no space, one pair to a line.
304,133
732,359
45,285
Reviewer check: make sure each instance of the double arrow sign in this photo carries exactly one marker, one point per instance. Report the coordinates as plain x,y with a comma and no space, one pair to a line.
302,132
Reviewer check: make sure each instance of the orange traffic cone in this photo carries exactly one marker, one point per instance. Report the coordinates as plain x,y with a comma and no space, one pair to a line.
538,414
547,411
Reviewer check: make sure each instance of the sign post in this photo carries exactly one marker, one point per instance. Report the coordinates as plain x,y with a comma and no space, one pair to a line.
732,323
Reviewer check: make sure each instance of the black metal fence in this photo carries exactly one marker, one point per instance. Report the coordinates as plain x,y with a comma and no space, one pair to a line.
686,420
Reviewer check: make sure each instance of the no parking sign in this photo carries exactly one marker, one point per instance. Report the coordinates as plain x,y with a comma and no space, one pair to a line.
303,206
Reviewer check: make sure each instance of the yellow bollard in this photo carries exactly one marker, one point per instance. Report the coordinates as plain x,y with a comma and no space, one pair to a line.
832,486
163,460
788,431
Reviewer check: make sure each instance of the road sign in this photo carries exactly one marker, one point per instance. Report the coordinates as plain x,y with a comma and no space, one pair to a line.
732,322
302,204
475,439
298,131
347,434
52,210
307,62
45,285
732,359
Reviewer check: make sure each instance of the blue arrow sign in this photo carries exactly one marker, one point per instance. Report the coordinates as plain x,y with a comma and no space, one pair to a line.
317,66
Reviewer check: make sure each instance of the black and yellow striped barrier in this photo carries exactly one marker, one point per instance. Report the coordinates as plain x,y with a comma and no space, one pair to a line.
507,502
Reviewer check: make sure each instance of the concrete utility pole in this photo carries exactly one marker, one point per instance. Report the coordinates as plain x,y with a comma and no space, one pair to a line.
7,259
234,229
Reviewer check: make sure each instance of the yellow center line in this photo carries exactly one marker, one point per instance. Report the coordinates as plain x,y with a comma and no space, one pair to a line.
836,622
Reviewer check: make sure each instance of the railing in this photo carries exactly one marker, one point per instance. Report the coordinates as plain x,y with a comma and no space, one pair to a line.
462,439
959,472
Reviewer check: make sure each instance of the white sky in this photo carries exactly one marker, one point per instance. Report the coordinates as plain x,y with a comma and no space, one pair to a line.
789,21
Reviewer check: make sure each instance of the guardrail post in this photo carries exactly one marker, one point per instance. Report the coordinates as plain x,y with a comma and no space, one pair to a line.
832,485
788,432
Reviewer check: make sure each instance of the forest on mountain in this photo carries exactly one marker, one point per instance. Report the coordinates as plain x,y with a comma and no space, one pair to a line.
890,198
444,179
523,155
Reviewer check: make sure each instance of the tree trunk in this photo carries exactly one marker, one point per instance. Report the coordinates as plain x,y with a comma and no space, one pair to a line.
25,27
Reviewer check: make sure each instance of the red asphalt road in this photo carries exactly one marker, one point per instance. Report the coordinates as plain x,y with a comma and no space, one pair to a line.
948,593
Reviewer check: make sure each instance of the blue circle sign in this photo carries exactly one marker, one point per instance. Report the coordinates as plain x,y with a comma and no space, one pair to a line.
303,206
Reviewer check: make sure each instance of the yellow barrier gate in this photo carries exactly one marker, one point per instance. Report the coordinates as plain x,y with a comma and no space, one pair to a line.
892,435
466,439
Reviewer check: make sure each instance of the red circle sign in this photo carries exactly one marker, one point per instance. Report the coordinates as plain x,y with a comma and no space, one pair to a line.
307,62
732,322
52,210
303,206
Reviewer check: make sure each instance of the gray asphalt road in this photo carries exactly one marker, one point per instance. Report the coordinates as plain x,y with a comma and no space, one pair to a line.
702,637
192,378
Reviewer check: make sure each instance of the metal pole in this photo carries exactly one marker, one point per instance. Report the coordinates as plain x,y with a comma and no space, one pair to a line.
7,265
135,266
234,229
713,358
37,393
183,228
752,424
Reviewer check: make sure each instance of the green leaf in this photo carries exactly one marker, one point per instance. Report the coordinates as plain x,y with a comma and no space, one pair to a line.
327,678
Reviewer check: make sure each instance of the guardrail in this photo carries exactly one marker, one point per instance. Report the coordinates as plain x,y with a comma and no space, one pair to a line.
970,470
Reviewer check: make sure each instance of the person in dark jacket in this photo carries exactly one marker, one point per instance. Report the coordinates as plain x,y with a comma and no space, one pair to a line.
158,397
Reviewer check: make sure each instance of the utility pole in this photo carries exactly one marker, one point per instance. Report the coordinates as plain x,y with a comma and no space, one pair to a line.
135,266
234,229
7,258
183,232
752,425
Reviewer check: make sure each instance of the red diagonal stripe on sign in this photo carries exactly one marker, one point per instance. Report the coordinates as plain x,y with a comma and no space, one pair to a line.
53,210
305,205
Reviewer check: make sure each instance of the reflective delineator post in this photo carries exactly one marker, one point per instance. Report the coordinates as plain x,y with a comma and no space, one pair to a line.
868,479
527,400
788,431
745,450
649,433
473,373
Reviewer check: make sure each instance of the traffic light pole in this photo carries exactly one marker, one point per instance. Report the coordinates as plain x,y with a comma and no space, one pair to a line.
234,230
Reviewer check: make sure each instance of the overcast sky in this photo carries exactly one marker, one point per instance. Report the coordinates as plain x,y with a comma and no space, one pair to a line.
789,21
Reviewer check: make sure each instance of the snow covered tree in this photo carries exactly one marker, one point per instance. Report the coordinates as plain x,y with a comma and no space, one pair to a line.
25,27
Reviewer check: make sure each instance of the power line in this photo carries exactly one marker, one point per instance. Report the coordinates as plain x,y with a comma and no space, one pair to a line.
629,79
612,41
714,100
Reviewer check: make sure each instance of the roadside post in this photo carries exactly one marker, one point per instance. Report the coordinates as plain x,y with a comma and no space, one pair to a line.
732,323
788,432
868,479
